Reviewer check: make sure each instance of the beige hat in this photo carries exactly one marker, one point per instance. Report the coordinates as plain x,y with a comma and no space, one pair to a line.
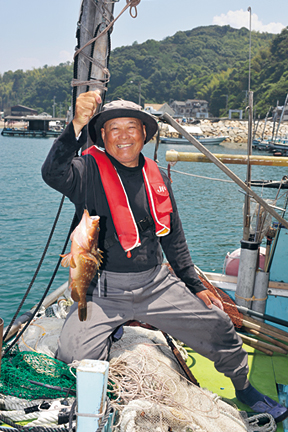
116,109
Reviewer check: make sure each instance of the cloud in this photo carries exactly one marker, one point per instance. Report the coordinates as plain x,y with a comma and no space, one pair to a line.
65,56
241,18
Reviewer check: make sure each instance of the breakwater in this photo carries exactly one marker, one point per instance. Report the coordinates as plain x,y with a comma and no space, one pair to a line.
237,130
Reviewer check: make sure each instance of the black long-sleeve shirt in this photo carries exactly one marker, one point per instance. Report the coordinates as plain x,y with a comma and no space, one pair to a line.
78,178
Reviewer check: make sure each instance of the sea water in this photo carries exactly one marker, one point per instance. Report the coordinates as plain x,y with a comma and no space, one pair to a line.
211,213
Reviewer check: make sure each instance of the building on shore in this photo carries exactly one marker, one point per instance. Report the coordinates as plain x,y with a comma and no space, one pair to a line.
22,121
158,109
192,108
19,110
277,112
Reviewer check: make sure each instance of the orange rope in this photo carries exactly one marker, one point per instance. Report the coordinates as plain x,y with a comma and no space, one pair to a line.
228,304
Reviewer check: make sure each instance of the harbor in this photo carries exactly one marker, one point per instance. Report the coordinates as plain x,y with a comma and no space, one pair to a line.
236,131
85,351
202,185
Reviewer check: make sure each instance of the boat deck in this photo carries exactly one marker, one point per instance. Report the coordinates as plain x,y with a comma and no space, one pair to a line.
268,374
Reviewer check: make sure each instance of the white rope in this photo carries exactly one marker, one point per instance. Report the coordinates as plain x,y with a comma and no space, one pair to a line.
199,176
271,426
20,415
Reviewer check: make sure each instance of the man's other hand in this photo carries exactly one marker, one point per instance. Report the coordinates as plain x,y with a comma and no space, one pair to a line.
209,298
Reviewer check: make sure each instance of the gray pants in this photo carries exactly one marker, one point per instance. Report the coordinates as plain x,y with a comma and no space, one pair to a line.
160,299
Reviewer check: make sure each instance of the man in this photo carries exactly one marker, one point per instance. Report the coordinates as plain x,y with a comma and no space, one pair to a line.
138,219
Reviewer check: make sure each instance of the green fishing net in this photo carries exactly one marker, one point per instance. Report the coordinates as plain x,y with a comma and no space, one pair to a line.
32,375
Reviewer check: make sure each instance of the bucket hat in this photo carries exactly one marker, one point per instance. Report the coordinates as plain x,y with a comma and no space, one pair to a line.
116,109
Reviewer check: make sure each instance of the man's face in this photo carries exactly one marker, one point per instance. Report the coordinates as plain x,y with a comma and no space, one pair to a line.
124,139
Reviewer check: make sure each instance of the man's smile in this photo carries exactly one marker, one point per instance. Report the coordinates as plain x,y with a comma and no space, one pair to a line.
124,145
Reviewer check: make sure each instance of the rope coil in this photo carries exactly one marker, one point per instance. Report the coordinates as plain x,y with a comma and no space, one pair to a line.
133,4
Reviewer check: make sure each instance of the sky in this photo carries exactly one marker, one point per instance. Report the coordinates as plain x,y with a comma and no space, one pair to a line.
34,33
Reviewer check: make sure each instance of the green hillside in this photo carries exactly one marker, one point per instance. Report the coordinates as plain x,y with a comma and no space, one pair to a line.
36,88
186,65
206,62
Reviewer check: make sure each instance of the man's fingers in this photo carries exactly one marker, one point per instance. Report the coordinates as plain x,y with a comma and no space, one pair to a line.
208,298
218,303
98,97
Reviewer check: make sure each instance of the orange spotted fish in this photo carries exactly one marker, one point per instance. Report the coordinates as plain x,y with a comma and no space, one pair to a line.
84,260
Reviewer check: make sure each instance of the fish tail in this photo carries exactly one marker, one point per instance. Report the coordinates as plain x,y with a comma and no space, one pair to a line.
82,310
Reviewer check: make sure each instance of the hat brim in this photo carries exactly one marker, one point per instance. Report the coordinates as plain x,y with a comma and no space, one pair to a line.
97,122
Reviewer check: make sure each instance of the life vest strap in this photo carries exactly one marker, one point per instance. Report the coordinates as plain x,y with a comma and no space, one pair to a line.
142,225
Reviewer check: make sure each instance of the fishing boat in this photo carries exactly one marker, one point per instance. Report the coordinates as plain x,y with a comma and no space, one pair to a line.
43,392
275,144
278,145
196,131
202,139
261,145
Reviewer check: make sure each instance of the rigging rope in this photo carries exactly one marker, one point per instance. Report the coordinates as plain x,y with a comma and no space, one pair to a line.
131,4
37,269
46,291
195,175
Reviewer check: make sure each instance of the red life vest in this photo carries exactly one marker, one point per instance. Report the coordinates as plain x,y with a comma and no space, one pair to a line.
157,193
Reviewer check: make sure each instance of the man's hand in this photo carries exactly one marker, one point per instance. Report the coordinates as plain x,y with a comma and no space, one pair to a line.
208,298
86,105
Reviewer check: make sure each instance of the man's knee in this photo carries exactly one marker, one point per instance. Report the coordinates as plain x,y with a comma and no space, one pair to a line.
69,352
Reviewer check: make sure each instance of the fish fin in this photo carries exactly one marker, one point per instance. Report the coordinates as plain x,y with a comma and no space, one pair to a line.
100,255
72,262
75,295
68,260
82,311
90,257
84,243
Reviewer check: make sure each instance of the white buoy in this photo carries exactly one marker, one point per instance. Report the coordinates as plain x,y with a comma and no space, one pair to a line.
92,377
246,273
260,292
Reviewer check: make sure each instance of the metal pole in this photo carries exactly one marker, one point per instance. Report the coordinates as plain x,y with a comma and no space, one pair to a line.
249,75
247,216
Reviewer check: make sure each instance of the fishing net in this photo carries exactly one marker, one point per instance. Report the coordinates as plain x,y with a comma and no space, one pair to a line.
42,335
228,304
152,393
30,375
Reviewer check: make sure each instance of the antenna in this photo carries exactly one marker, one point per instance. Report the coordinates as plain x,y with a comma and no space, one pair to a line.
249,75
247,216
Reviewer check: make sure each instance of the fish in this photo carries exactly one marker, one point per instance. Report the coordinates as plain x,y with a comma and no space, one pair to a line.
84,259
